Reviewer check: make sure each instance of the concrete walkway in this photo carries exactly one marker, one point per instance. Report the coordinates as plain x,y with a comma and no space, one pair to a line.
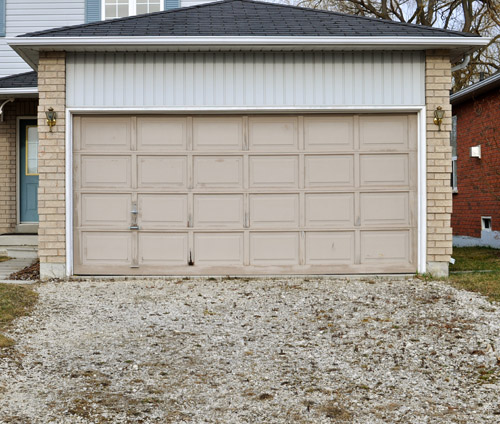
13,265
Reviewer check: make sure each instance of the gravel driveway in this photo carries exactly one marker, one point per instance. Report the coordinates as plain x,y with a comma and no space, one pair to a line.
254,351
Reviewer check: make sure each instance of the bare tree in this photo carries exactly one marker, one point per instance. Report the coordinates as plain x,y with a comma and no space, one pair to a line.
481,17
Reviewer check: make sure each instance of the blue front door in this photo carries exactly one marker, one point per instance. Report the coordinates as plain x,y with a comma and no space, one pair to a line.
28,171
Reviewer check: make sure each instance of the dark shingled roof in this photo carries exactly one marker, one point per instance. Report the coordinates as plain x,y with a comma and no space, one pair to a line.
25,80
246,18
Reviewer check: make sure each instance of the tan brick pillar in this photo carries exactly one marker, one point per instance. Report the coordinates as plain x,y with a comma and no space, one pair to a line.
8,211
439,195
51,166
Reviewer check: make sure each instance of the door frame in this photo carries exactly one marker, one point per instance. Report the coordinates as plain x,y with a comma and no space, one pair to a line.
421,154
25,227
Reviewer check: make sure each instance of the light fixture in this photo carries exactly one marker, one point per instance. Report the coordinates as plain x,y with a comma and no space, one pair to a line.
51,118
438,117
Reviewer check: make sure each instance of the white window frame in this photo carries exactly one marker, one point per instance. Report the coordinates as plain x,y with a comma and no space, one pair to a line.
132,8
483,219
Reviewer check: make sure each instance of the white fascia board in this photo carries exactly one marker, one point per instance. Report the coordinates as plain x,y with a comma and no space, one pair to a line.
28,47
385,42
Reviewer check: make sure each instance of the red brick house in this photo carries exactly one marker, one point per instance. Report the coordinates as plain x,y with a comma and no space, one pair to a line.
476,155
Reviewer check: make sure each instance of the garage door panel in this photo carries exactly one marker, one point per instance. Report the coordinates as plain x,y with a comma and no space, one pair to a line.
274,171
273,133
218,172
105,171
218,210
384,170
162,172
212,249
383,132
162,211
329,171
329,133
160,249
329,210
325,248
106,210
385,209
161,133
274,210
106,248
104,134
385,247
274,248
245,194
218,133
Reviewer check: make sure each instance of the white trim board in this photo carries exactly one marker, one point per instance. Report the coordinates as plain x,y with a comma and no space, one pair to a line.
422,151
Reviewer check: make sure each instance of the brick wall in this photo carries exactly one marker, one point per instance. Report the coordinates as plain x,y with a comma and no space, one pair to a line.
478,122
439,197
51,192
8,148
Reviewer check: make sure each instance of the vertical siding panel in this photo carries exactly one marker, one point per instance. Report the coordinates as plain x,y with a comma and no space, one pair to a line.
239,80
259,85
98,79
157,79
358,81
119,79
377,80
245,79
228,83
387,73
169,79
397,77
328,78
220,80
279,80
348,83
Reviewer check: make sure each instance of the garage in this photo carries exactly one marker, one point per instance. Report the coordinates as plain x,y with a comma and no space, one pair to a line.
172,194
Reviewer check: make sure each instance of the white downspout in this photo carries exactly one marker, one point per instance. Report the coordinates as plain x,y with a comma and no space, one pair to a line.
2,105
462,64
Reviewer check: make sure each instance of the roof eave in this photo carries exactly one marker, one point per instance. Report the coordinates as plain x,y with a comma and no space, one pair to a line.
477,89
19,92
29,47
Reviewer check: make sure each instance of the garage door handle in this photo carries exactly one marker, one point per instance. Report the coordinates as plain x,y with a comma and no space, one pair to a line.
134,212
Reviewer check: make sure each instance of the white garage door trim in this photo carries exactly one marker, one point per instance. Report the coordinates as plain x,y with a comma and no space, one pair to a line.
421,165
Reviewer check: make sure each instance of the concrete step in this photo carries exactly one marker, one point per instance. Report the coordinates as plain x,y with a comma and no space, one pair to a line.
19,246
30,252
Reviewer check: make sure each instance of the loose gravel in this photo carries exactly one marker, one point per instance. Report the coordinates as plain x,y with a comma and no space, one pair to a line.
253,351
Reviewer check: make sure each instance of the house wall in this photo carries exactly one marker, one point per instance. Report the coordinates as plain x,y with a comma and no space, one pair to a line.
51,165
478,123
24,16
8,169
439,197
323,79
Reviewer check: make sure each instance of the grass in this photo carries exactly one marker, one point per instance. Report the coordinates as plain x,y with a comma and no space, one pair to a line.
4,258
15,301
470,261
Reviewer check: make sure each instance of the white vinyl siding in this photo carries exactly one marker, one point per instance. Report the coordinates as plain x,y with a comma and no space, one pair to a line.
24,16
248,79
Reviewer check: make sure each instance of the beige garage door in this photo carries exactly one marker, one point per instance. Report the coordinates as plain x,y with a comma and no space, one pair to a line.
258,194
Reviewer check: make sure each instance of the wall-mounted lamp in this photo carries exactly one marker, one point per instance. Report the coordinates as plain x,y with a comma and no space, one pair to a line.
438,117
51,118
